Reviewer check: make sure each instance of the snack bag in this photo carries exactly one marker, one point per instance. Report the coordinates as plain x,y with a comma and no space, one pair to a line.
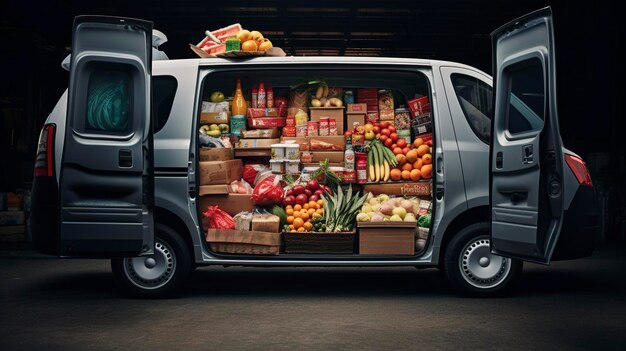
267,192
218,219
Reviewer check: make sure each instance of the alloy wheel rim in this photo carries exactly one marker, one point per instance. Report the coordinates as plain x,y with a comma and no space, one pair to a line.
479,267
154,271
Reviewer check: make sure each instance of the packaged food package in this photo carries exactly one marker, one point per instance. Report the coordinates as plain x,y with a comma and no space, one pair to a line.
268,191
419,106
250,172
240,187
385,100
402,118
266,223
218,219
243,220
208,106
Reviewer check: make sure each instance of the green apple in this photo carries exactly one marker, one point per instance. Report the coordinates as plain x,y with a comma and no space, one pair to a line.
214,133
217,96
214,127
224,127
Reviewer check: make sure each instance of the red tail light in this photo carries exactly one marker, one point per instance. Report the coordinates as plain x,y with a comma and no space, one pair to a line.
578,166
44,161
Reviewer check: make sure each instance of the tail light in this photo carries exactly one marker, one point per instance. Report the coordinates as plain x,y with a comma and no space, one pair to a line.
579,168
44,161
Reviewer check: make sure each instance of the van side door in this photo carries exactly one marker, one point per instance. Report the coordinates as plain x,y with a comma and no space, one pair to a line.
106,180
526,178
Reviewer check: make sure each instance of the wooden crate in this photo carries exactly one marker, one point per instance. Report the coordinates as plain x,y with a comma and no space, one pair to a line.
387,238
319,243
245,242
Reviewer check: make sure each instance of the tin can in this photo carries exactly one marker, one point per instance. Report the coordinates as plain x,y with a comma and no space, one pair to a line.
361,167
301,130
332,126
291,121
313,128
324,128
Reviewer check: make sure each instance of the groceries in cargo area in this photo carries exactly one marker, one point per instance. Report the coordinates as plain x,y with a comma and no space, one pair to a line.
314,168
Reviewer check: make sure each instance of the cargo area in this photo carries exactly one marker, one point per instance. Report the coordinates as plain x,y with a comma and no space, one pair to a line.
315,162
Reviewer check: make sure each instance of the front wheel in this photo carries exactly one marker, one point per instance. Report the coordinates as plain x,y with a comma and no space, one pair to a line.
159,274
471,267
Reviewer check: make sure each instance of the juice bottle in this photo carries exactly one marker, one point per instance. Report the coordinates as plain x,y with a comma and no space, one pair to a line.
239,101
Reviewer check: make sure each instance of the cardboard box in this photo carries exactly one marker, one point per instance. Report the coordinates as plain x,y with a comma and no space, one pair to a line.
260,133
330,112
220,172
356,108
386,238
266,223
367,93
419,188
351,118
229,203
256,143
244,242
216,154
208,106
214,189
255,112
13,233
332,156
386,115
304,142
317,164
214,117
419,106
267,122
327,143
12,217
372,103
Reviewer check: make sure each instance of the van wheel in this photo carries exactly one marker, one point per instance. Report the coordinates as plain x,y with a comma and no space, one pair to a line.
158,275
471,267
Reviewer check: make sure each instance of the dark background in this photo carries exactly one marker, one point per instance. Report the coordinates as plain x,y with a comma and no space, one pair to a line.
589,39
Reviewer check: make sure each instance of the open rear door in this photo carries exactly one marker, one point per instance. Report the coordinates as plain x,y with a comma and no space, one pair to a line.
526,150
106,182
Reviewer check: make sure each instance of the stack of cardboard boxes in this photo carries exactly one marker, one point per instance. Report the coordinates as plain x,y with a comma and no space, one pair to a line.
12,217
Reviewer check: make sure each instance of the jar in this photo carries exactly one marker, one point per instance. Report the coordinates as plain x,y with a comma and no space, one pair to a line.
277,166
292,166
278,151
292,151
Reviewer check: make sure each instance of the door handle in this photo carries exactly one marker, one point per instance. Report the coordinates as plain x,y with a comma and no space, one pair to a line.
518,196
499,160
125,158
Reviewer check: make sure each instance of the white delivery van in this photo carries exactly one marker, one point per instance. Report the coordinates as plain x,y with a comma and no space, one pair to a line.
116,173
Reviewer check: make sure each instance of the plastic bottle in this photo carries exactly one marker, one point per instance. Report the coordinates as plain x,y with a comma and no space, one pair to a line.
254,96
261,101
348,157
239,101
270,96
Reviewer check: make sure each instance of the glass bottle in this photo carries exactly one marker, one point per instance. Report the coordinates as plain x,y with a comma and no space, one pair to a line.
239,101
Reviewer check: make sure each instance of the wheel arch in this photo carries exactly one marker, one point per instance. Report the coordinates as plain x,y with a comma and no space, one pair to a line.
470,216
169,219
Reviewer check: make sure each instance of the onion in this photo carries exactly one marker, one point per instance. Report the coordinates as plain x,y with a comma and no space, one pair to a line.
386,209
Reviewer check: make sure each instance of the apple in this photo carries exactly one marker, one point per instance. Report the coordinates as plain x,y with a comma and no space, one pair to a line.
217,96
385,131
393,146
369,135
384,125
383,138
405,150
368,127
388,142
392,128
376,129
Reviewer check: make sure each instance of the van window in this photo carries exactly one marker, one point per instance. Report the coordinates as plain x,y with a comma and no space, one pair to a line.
526,106
475,98
163,93
108,101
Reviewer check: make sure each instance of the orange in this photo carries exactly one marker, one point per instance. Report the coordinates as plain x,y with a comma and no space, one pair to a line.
289,207
427,159
415,175
301,229
311,211
297,208
292,227
406,167
320,202
417,142
319,211
401,159
426,171
312,204
298,223
316,215
418,164
397,150
296,214
289,212
406,175
317,206
305,206
423,150
395,174
304,216
290,219
308,226
411,156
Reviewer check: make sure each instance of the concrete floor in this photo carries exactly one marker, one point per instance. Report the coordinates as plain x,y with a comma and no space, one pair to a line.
46,303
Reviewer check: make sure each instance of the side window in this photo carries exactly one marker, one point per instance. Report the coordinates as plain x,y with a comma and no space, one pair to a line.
526,107
475,98
163,93
109,101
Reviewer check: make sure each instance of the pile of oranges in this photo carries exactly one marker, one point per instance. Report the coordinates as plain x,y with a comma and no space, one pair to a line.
415,165
299,217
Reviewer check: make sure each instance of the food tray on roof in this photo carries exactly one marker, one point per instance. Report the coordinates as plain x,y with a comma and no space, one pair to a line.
274,52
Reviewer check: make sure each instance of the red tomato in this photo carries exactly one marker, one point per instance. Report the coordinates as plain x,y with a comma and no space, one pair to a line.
383,138
392,129
376,130
393,146
405,150
401,143
388,142
385,131
384,124
348,133
393,137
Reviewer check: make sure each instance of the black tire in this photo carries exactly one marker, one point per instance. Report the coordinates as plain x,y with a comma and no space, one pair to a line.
161,277
473,270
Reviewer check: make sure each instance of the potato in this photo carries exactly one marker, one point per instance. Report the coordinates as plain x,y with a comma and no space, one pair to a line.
315,103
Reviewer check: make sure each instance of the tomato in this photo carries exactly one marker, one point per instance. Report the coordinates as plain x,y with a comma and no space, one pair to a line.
388,142
383,138
385,131
384,124
348,133
393,137
401,143
392,129
393,146
376,129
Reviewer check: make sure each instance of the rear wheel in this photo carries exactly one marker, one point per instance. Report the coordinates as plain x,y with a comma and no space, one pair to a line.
471,267
159,274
